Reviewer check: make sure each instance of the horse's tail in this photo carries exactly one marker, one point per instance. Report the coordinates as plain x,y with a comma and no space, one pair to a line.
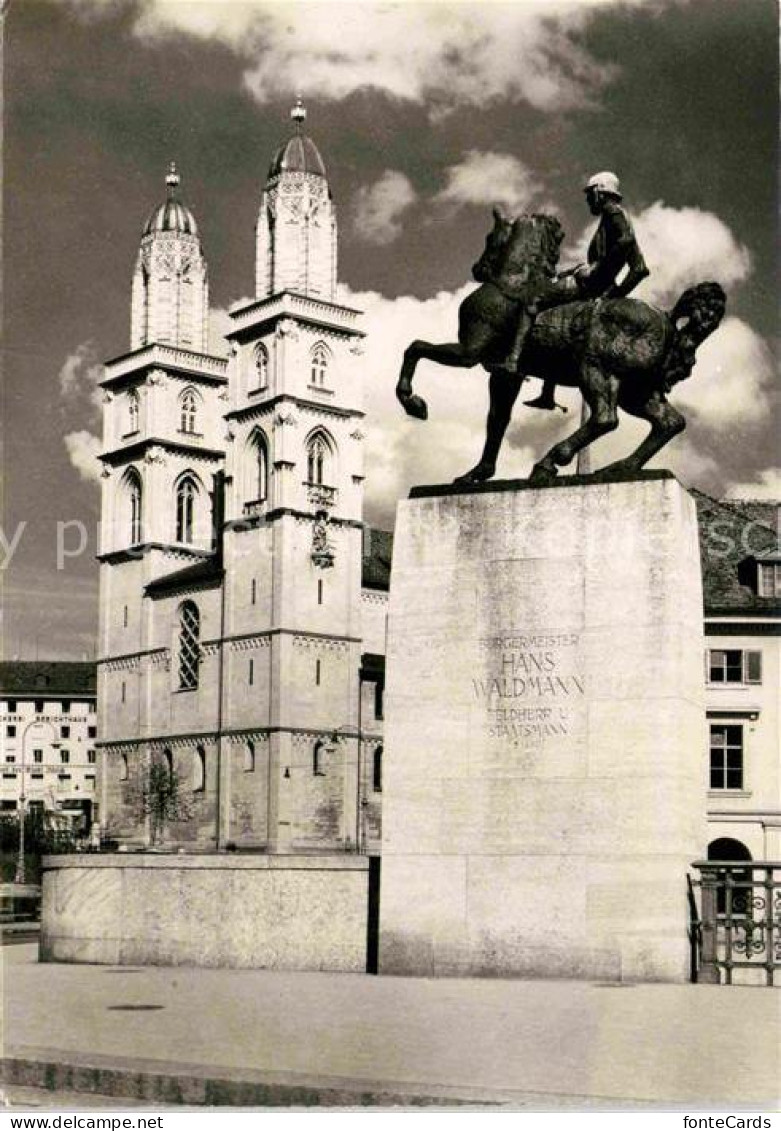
695,315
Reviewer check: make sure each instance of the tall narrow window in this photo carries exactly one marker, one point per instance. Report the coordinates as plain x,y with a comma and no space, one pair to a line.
124,617
317,758
253,592
186,493
168,762
726,756
188,415
317,455
320,591
251,672
133,409
261,367
317,672
261,468
377,770
199,770
134,497
319,365
123,768
189,646
249,757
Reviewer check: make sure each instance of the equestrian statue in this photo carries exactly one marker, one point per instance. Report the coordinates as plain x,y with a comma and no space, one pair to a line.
576,328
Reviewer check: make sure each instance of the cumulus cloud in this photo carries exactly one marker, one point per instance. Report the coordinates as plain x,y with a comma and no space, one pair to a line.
681,246
83,449
445,55
379,207
79,378
731,381
766,486
490,178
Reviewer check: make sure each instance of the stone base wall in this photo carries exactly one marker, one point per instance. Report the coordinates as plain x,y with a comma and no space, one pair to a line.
279,913
544,786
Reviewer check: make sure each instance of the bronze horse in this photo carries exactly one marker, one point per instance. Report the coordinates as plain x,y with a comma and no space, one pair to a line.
620,353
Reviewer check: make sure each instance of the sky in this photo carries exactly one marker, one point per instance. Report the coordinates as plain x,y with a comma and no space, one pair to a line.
426,115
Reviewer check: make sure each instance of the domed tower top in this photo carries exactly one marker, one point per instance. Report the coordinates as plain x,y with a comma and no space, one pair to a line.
170,287
296,229
299,154
172,215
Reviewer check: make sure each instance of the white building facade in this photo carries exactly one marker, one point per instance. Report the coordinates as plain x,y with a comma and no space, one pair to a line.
48,734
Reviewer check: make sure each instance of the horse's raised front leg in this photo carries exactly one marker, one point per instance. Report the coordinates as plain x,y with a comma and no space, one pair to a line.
504,389
600,392
459,355
666,422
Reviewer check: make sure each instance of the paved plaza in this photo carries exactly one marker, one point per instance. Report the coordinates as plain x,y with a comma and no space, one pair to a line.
180,1034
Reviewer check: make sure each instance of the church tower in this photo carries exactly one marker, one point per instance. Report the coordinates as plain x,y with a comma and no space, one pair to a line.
296,229
170,282
163,444
293,539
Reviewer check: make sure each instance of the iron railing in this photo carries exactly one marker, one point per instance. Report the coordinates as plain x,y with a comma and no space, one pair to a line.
736,923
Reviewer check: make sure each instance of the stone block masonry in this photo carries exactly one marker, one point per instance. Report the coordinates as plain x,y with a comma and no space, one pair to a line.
544,790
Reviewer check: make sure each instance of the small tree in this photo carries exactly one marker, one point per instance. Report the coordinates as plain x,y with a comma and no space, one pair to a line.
160,798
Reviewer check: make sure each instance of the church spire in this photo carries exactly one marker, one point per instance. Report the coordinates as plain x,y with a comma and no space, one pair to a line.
170,285
296,228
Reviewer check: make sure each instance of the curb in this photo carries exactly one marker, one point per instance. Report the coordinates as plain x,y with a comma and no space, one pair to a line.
199,1086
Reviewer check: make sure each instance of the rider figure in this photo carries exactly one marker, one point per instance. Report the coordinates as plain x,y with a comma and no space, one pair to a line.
612,248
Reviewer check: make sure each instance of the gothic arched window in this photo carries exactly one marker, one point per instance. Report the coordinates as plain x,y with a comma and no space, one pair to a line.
261,467
134,505
261,367
189,645
133,411
318,453
188,411
186,495
319,365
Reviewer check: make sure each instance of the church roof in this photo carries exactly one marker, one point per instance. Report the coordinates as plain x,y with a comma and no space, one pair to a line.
47,679
377,550
172,215
299,154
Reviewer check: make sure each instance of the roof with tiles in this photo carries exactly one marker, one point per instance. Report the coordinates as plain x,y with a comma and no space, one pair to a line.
47,679
732,533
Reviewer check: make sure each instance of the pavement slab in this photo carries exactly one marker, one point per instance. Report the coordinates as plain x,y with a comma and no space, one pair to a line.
540,1044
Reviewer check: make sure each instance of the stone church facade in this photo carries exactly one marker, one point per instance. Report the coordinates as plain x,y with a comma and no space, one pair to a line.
242,599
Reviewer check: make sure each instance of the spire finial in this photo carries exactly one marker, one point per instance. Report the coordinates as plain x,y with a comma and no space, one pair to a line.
172,179
298,113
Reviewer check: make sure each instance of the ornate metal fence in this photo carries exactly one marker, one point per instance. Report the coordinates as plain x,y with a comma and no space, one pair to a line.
736,922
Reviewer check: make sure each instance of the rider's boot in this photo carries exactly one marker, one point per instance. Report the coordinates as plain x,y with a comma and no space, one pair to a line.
546,400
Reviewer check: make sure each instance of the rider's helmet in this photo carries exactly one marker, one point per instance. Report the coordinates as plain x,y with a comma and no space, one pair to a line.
604,182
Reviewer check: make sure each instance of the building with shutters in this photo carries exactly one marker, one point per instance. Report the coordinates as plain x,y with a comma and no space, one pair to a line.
742,602
48,735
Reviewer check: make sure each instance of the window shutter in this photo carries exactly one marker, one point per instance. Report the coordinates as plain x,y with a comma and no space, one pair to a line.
752,667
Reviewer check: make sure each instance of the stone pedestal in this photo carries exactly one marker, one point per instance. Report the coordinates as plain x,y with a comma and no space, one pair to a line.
544,784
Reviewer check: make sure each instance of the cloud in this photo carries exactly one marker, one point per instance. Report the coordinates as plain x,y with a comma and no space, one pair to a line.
79,378
766,486
379,207
443,55
83,450
490,178
731,381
